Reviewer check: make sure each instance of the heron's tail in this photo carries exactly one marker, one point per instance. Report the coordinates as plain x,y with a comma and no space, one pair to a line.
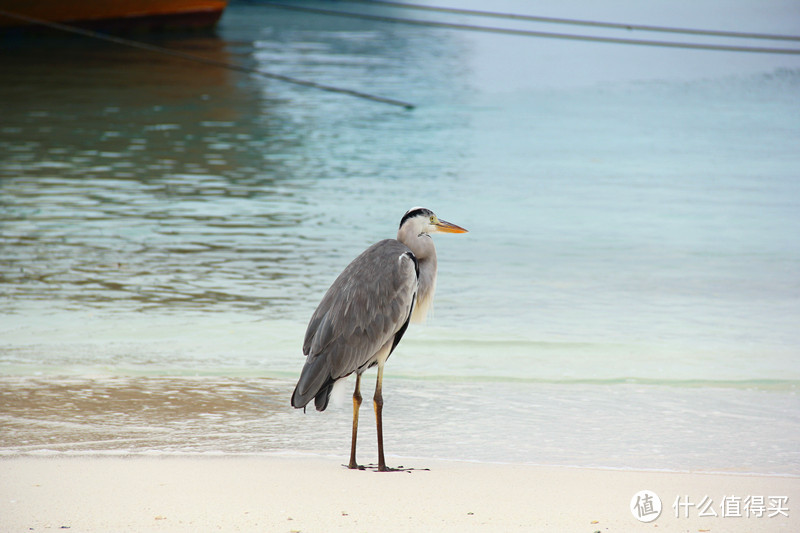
315,382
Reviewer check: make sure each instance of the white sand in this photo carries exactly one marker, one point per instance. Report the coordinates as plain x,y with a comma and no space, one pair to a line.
277,494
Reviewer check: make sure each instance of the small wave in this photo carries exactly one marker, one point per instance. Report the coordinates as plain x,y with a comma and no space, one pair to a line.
777,385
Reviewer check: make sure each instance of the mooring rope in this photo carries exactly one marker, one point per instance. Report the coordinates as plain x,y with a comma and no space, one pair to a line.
577,22
532,33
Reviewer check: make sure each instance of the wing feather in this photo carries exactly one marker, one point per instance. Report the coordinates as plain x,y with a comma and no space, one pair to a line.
363,310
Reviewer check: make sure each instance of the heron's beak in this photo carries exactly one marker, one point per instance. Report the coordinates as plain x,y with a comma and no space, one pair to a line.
442,226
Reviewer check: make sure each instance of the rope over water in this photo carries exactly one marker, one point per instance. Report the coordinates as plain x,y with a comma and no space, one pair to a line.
541,34
577,22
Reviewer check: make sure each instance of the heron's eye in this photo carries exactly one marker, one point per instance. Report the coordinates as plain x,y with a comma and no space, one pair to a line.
433,219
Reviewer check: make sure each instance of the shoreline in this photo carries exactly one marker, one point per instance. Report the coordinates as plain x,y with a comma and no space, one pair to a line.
315,493
337,458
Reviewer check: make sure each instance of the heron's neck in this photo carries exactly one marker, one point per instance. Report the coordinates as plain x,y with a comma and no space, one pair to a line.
425,252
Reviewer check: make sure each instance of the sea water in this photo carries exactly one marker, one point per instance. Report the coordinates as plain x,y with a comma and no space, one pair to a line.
628,295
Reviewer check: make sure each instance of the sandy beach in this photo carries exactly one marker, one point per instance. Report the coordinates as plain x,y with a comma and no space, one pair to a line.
310,494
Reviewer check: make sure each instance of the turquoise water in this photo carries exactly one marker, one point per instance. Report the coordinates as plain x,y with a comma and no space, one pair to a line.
628,295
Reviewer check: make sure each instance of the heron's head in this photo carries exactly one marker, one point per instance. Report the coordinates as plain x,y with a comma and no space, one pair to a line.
420,220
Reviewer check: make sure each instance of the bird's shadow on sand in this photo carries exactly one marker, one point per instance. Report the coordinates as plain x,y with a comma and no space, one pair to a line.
374,468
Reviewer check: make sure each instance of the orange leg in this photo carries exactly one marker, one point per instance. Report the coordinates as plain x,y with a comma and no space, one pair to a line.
356,406
378,403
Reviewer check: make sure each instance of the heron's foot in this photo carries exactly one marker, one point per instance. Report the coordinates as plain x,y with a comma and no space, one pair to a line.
377,468
355,466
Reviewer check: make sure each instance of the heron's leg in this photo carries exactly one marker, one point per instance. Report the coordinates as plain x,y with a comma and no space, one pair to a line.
378,403
356,406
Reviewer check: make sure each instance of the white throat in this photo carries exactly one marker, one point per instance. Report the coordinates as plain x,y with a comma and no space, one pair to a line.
421,244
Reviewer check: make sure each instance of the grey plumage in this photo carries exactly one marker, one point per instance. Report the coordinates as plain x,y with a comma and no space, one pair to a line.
364,310
365,313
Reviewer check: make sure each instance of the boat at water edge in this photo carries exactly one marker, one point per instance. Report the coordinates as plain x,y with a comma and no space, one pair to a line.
119,15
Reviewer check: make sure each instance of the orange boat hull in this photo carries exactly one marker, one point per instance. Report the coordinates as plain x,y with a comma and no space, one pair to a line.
118,14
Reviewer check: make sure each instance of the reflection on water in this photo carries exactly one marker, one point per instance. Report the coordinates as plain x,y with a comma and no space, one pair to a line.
145,182
136,187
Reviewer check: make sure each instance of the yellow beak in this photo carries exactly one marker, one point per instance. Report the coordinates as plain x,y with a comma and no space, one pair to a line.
442,226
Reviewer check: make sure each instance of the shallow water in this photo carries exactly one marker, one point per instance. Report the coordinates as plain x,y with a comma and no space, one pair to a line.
586,424
627,296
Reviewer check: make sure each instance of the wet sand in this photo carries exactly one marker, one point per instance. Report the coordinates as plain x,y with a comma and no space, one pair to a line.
308,494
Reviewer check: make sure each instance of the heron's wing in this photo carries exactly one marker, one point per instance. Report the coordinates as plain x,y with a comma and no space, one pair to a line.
367,305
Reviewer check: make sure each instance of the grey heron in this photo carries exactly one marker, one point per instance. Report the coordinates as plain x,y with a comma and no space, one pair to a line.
365,313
